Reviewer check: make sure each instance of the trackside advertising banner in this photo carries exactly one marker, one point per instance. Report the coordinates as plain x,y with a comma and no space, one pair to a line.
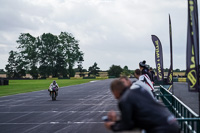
170,72
192,53
158,57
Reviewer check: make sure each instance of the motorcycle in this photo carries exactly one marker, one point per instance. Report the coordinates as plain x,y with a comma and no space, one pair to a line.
53,93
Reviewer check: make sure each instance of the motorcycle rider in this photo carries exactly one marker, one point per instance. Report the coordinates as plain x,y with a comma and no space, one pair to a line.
53,85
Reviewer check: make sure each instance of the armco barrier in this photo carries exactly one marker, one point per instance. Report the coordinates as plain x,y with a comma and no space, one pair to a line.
181,79
55,78
188,120
64,78
102,77
89,77
4,81
175,79
76,78
110,77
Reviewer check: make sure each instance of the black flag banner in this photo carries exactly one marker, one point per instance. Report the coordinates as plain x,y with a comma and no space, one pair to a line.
192,58
170,72
158,57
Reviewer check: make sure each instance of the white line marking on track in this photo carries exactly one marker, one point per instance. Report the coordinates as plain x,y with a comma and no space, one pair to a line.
93,81
54,122
47,123
81,122
71,111
54,105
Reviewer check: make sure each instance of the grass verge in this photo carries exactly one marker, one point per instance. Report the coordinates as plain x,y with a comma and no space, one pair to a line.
23,86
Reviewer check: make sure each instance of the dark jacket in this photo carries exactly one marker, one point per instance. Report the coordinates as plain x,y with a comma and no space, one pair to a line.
152,75
140,110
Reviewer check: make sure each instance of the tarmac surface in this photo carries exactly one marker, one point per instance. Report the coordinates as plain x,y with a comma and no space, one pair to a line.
191,99
78,109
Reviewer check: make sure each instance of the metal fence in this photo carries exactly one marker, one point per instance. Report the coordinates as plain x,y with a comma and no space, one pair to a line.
188,119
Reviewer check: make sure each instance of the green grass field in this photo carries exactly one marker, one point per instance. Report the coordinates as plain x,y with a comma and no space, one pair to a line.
23,86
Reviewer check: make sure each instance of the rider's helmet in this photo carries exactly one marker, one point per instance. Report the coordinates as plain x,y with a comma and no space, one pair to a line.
54,82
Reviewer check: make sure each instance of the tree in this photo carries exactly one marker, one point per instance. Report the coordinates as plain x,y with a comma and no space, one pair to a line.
80,67
115,71
28,50
94,70
16,66
20,67
61,65
48,46
47,55
72,52
183,70
2,71
166,70
10,67
126,71
177,70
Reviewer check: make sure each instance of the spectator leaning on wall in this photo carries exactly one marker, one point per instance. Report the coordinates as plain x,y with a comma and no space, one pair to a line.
139,110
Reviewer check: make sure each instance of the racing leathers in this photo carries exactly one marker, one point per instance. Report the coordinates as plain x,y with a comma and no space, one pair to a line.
53,86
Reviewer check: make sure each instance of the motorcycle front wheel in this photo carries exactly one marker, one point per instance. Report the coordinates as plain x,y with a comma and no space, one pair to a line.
53,95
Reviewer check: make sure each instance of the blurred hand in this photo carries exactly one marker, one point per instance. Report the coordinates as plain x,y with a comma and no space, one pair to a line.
108,125
112,116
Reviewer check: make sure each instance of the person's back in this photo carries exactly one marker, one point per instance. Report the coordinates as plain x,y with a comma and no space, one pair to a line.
139,110
144,78
146,113
141,84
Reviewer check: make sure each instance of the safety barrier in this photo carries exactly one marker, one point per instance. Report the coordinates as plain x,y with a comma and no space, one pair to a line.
89,77
4,81
164,82
188,119
182,79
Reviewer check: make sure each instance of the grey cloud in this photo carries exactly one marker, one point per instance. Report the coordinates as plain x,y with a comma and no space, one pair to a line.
110,31
18,15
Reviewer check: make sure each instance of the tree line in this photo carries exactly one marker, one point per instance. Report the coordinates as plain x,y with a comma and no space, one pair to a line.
46,55
54,55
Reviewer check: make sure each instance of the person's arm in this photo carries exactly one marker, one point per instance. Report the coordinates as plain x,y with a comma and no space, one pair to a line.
57,85
49,85
126,122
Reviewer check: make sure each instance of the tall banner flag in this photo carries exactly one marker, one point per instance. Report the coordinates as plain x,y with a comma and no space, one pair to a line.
170,72
192,59
158,57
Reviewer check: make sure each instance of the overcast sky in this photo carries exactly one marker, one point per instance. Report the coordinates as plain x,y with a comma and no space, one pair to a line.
110,31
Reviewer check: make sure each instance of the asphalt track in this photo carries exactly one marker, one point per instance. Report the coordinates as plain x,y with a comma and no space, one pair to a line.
78,109
191,99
